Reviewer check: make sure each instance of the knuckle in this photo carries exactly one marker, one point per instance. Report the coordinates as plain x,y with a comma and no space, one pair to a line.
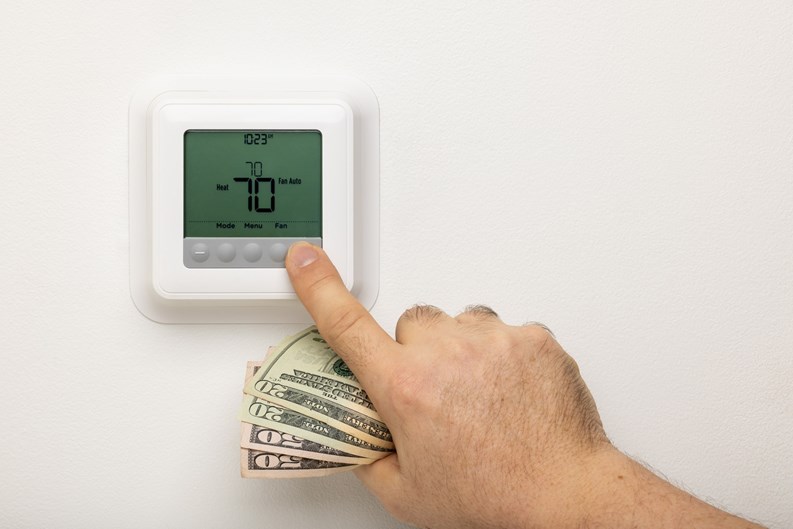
341,328
311,288
421,314
535,333
538,339
480,311
343,320
538,329
314,283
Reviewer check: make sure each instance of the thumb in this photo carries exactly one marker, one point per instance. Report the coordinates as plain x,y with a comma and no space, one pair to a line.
383,478
343,322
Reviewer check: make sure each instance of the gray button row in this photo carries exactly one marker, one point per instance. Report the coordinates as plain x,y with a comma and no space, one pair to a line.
239,252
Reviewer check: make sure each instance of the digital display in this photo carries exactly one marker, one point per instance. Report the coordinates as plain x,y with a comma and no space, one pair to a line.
252,183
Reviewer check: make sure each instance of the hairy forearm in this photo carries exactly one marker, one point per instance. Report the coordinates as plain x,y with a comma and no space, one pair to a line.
627,495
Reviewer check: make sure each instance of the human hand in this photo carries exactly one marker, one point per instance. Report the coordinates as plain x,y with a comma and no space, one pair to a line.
493,424
483,415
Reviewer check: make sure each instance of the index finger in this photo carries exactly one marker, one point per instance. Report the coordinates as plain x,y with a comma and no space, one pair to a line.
348,327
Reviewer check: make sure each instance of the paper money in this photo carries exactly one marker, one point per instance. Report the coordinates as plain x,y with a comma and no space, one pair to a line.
262,413
305,375
269,465
262,439
304,414
270,440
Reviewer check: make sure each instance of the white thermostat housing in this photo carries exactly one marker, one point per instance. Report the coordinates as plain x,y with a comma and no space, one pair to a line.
226,173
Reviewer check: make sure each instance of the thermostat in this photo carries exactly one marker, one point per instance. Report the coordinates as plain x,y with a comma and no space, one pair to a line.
226,173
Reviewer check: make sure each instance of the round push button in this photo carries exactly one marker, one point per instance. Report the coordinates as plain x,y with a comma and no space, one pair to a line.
226,252
278,252
252,252
199,252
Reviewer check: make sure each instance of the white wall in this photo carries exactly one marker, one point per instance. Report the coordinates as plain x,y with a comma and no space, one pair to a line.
622,171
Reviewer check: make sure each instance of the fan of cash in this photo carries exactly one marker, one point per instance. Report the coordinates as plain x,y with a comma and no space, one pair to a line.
304,414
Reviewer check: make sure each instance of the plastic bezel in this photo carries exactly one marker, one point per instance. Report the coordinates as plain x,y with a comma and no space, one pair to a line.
343,109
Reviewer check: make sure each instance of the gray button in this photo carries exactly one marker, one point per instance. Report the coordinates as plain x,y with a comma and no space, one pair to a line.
278,252
199,252
226,252
252,252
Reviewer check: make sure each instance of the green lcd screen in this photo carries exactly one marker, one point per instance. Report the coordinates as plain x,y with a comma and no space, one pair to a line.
252,183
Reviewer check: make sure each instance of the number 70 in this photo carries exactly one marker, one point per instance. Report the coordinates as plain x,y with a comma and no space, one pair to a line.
254,188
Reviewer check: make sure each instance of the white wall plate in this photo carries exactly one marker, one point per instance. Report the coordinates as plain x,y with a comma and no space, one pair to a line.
225,173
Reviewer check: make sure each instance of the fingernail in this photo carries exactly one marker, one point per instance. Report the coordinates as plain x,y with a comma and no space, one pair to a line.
303,254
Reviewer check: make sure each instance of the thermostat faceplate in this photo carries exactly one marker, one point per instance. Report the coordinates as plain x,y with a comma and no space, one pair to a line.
226,173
